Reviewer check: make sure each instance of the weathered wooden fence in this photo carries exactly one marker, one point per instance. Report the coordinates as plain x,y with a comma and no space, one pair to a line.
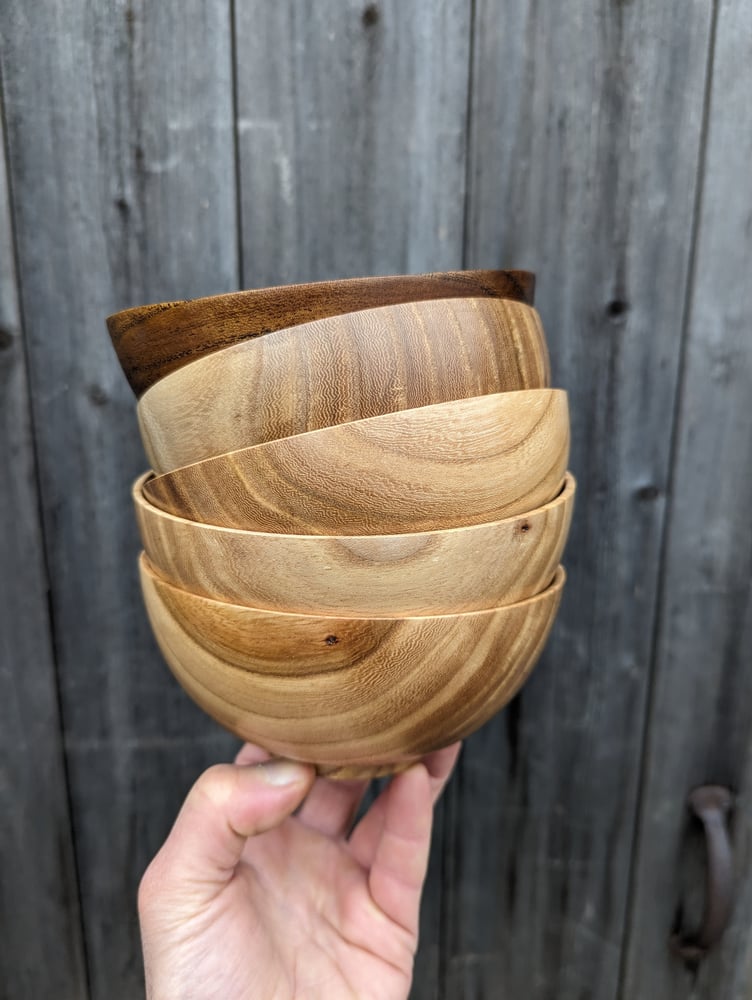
180,148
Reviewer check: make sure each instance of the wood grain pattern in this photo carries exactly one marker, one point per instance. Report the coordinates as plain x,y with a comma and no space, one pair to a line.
340,369
347,693
438,572
41,939
152,341
701,708
439,466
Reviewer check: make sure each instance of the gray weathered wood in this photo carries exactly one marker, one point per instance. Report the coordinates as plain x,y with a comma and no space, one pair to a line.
41,942
351,130
585,139
701,713
119,119
352,144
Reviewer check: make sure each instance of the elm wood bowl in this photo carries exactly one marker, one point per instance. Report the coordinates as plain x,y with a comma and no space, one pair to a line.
427,573
152,341
357,697
440,466
341,369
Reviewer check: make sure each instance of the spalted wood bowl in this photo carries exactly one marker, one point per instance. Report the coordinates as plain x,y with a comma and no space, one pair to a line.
440,466
340,369
354,696
426,573
152,341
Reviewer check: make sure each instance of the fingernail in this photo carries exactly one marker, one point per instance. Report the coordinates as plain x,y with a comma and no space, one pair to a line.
282,772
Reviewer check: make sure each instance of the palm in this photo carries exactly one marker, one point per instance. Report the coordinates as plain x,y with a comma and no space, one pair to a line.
309,899
312,912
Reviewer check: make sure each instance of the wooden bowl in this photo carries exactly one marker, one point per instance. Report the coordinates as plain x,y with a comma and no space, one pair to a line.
354,696
152,341
427,573
340,369
440,466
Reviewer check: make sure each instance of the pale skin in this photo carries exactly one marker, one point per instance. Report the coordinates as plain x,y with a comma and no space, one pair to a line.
245,900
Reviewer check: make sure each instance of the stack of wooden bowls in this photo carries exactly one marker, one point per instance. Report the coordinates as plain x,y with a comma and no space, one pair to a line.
357,509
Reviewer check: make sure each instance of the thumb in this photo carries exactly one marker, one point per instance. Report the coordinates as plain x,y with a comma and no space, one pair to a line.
227,805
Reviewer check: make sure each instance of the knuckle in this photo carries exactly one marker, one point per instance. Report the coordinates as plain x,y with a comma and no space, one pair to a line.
215,786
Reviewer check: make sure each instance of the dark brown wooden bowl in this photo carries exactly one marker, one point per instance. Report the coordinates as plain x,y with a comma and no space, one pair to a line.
152,341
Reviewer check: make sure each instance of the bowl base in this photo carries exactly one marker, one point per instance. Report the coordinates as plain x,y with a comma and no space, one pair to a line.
362,772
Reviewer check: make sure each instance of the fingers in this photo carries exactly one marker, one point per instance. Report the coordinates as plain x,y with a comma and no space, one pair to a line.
249,753
440,765
227,805
365,837
401,857
331,806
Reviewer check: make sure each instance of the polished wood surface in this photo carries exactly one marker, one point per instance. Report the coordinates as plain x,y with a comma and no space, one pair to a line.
436,572
347,694
441,466
152,341
343,368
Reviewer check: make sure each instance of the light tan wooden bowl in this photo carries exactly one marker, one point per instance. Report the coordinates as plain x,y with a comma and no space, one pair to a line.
426,573
355,697
340,369
440,466
152,341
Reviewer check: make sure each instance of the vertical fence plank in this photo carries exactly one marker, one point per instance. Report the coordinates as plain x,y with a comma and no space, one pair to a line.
585,141
701,715
352,152
351,129
120,138
41,944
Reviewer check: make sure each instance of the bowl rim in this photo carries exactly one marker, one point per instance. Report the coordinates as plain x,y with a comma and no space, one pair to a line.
397,415
555,585
564,495
524,278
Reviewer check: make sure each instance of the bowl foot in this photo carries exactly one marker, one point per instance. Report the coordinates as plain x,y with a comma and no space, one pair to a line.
361,772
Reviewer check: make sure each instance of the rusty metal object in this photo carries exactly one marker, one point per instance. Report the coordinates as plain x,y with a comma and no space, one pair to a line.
711,804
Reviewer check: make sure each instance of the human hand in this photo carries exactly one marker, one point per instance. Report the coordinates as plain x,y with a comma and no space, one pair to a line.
245,901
